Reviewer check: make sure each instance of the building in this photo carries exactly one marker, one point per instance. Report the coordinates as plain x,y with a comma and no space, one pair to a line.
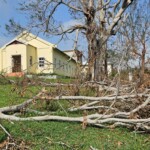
28,53
75,54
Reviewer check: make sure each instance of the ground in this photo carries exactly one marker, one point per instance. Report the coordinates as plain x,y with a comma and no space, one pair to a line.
49,135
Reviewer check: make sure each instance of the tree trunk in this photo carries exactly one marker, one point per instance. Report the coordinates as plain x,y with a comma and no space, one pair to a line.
142,65
97,61
105,67
91,61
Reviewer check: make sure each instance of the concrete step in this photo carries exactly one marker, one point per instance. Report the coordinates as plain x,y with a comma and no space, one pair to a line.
15,74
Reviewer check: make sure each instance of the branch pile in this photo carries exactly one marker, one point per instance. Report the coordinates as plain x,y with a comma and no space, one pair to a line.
130,111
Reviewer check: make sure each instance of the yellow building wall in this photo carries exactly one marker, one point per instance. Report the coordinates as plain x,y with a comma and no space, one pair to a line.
11,50
31,59
3,56
47,55
55,60
61,64
44,49
0,61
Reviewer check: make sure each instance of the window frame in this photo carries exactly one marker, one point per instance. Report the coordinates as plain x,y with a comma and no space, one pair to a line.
31,60
41,62
55,63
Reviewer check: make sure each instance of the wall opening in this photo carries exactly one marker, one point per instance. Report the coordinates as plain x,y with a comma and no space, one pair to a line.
16,63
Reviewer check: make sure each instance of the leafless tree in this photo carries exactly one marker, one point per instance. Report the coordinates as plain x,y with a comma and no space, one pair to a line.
136,33
100,20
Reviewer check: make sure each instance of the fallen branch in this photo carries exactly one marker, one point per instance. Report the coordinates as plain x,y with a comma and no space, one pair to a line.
98,123
105,98
19,107
90,108
5,130
105,120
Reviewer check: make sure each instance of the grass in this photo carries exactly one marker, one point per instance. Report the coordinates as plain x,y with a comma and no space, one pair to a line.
48,135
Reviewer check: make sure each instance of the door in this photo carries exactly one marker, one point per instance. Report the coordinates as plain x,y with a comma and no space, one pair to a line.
16,63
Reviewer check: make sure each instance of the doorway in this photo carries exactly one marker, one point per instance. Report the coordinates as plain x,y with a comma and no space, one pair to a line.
16,63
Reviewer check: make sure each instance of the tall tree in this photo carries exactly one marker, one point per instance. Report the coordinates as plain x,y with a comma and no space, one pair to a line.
100,21
136,32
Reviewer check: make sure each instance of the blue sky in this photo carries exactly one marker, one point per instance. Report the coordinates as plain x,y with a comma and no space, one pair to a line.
9,10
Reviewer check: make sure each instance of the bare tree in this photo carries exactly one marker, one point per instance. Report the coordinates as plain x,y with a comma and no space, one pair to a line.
99,21
136,33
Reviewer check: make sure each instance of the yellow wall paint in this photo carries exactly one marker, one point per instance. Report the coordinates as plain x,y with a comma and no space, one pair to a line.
31,59
12,50
47,55
36,48
61,64
0,60
44,49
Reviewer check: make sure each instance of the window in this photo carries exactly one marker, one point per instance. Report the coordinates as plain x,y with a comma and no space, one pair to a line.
60,64
67,68
31,61
41,61
55,63
63,66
